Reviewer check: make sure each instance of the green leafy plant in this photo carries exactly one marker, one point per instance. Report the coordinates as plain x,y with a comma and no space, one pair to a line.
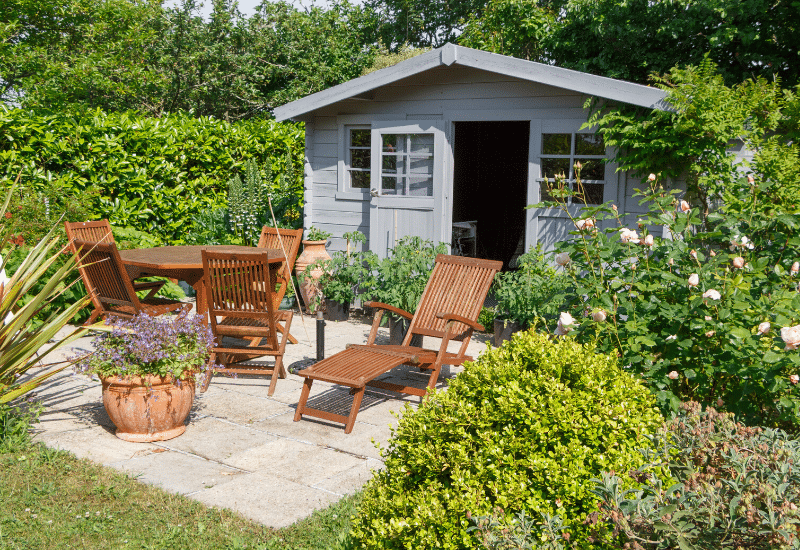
533,293
403,274
525,427
35,283
347,272
731,487
314,234
176,348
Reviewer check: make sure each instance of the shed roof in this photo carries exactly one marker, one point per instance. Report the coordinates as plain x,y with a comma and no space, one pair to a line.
450,54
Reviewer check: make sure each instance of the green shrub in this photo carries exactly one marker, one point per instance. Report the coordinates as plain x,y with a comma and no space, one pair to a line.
152,174
735,487
525,427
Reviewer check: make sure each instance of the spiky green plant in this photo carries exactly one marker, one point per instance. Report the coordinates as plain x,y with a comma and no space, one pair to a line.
20,338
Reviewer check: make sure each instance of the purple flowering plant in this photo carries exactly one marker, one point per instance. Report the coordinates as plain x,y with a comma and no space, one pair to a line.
176,348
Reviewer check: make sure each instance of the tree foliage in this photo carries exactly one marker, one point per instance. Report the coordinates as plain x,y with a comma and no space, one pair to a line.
423,23
135,55
631,39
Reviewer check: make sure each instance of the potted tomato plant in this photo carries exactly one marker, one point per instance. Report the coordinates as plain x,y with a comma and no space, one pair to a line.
148,367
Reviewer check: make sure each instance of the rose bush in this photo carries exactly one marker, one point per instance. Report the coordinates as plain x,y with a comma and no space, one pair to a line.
692,313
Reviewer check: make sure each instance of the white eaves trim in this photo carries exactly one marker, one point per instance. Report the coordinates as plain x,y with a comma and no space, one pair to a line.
450,54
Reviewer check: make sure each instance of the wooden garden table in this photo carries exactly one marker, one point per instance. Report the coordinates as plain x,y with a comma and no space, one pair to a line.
184,263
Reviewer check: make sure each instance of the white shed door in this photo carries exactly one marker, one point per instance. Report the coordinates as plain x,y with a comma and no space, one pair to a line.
555,148
407,183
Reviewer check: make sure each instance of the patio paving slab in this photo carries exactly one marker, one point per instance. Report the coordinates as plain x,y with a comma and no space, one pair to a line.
242,449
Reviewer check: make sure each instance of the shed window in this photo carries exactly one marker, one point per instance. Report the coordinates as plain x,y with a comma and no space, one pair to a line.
358,163
407,164
559,154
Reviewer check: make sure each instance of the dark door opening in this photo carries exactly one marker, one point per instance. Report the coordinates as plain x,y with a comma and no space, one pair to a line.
490,185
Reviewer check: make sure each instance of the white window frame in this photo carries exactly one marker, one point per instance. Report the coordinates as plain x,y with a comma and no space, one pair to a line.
343,190
572,157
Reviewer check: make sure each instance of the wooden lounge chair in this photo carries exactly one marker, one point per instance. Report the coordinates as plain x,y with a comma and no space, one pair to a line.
239,291
109,286
448,310
99,231
289,240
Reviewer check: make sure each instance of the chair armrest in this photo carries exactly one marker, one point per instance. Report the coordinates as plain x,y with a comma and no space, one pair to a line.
146,285
392,309
458,318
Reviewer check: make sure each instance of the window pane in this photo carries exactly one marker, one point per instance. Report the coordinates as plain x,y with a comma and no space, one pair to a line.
360,158
392,163
556,144
421,165
592,169
589,144
359,138
551,167
588,193
422,143
390,185
544,192
420,186
393,143
359,180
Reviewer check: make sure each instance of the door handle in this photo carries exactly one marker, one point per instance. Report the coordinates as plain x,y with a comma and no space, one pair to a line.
373,192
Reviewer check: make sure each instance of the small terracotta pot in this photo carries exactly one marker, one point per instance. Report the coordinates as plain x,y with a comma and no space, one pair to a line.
149,408
312,251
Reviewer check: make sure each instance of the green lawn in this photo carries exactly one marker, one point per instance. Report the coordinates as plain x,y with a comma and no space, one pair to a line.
52,500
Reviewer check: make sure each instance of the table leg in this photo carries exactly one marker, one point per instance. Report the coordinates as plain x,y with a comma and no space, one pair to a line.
201,307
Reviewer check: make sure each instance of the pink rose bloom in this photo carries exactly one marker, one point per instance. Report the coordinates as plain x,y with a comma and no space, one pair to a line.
794,379
649,240
738,262
672,337
791,337
565,322
694,279
712,253
628,235
614,207
795,268
684,206
751,180
671,261
599,315
587,223
707,317
712,294
693,254
651,177
764,327
720,402
710,333
673,375
562,259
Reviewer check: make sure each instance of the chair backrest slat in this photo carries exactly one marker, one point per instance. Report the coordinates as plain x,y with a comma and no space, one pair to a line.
94,232
240,286
457,285
291,239
104,274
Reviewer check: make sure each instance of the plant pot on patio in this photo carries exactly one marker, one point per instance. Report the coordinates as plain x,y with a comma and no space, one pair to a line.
398,327
147,366
503,330
149,408
337,311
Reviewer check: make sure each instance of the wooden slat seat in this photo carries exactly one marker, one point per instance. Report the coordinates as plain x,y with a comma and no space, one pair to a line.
239,292
109,286
448,310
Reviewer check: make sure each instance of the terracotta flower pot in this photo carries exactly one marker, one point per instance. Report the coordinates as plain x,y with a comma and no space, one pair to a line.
149,408
312,251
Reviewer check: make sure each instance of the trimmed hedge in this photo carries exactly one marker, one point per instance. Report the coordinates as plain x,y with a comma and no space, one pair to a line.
153,174
525,427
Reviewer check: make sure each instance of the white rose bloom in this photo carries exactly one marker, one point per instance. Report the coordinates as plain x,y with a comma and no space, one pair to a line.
791,337
764,327
713,294
562,259
694,279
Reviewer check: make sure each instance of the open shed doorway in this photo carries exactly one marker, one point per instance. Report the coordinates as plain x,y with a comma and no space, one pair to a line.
490,187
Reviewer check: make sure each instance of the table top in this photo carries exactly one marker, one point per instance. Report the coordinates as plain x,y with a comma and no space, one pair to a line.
187,257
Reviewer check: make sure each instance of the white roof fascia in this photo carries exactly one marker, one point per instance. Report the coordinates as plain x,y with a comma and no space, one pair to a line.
450,54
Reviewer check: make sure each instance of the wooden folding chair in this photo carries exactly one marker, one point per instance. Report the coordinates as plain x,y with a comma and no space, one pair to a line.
240,295
449,310
99,231
109,286
289,240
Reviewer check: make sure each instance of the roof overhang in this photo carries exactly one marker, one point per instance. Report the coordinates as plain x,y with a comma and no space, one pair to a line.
450,54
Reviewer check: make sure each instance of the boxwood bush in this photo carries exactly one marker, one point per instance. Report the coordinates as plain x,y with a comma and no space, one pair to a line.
525,427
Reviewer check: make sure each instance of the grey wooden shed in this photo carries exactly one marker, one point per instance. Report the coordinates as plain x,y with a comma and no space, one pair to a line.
451,146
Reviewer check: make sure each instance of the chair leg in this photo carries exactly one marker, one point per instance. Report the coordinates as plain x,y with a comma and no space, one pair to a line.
351,419
209,373
93,317
276,373
301,405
